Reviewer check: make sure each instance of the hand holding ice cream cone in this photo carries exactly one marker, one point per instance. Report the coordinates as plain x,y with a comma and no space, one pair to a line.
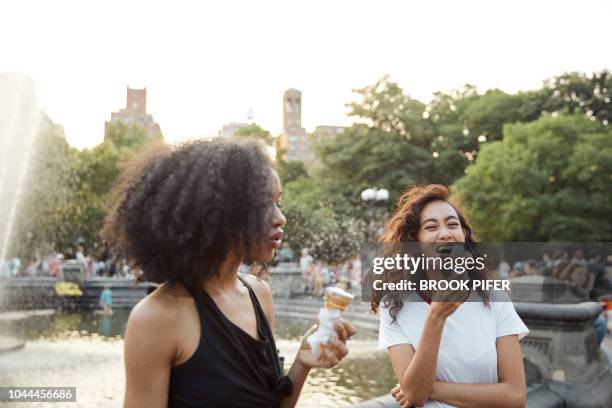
336,301
334,351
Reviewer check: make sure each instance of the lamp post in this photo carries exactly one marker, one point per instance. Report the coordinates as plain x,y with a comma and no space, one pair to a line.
374,197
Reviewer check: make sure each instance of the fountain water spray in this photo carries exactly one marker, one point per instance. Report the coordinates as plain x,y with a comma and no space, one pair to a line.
20,119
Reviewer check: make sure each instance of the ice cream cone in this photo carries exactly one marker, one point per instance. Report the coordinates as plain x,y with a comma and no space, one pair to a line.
336,298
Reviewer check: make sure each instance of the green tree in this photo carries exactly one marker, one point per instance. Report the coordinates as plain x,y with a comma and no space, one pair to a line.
127,135
363,157
312,223
93,173
290,170
465,120
547,180
384,106
389,147
577,92
255,131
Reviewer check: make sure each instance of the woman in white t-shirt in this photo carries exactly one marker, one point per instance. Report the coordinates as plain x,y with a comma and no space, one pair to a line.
445,354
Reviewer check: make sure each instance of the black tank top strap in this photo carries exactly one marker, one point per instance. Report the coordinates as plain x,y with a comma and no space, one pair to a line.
263,326
229,358
262,319
283,386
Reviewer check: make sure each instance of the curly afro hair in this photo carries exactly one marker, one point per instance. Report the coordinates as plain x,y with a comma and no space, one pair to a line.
176,212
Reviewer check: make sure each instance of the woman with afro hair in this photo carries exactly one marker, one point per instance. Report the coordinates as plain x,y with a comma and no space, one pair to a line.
188,217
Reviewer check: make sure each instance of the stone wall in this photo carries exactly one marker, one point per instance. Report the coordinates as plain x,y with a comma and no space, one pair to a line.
29,293
285,281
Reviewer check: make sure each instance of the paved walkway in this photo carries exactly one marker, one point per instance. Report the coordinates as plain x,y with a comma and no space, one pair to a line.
9,344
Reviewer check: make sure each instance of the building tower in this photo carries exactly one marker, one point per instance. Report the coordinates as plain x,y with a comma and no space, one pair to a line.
294,140
135,112
137,100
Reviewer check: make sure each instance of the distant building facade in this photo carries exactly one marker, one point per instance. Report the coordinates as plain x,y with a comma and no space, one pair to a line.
230,130
294,140
135,112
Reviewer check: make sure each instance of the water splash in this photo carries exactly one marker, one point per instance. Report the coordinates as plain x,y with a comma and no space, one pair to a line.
20,119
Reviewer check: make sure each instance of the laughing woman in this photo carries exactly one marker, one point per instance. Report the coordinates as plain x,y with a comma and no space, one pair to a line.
444,354
188,217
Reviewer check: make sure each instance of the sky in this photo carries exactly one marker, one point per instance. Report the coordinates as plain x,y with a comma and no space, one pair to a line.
205,64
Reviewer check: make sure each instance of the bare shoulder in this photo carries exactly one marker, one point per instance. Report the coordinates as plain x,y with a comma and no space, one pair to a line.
260,286
152,345
160,311
163,303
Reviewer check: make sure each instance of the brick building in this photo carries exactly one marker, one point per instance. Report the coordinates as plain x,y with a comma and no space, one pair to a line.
135,112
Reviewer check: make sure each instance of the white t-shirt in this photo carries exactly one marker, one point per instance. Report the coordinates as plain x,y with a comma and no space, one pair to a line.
467,351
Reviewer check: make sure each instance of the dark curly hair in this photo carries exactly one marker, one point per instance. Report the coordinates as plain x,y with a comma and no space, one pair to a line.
403,226
176,212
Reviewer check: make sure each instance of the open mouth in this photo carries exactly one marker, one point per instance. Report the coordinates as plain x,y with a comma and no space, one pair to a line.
444,249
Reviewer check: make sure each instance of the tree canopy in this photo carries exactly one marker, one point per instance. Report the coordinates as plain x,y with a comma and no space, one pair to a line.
548,180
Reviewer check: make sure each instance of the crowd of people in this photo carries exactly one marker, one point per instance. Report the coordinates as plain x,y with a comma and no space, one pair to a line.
318,274
589,276
106,265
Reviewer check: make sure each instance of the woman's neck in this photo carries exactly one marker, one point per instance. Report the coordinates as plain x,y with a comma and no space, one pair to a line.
228,275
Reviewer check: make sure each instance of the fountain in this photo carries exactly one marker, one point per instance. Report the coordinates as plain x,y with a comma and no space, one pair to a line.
19,123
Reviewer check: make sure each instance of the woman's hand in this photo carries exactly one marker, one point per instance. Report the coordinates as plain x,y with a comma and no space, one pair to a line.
399,396
443,309
333,352
445,302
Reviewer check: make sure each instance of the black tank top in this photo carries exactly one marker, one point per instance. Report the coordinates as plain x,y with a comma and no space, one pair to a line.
229,368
